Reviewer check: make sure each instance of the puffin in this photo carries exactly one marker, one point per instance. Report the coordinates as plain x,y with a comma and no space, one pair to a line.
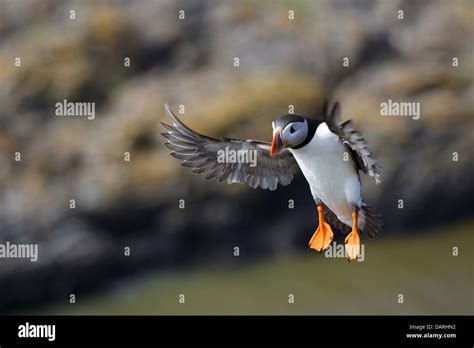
330,153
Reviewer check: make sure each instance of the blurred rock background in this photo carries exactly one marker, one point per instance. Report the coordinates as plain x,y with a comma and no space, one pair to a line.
190,62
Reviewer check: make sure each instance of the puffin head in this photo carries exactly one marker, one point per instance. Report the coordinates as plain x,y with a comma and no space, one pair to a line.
288,131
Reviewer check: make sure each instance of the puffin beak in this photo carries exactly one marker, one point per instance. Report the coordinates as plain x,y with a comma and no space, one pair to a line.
277,143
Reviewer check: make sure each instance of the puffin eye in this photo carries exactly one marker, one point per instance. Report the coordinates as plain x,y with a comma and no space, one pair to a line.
292,130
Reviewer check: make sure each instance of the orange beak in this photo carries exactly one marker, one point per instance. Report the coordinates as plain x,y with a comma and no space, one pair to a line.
277,143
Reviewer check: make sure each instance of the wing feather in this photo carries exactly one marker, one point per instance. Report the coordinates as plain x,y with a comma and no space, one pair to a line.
200,153
355,142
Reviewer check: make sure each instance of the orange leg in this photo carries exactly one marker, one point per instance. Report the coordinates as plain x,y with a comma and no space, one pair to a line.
352,241
323,235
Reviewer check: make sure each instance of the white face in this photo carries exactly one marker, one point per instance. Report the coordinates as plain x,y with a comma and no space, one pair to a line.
294,133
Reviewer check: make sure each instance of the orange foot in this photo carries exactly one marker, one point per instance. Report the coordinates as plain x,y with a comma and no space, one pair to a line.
352,241
323,235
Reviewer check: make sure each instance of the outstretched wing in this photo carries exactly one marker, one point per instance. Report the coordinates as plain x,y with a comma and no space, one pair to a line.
234,160
356,143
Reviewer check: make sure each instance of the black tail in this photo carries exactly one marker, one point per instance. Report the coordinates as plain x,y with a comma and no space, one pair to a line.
373,224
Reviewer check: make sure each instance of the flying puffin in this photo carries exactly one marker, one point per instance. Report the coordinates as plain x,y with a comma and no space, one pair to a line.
330,153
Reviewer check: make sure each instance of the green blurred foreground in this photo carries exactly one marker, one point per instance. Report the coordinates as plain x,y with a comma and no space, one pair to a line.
422,268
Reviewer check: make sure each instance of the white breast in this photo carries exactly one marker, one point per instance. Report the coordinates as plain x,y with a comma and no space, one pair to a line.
331,173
